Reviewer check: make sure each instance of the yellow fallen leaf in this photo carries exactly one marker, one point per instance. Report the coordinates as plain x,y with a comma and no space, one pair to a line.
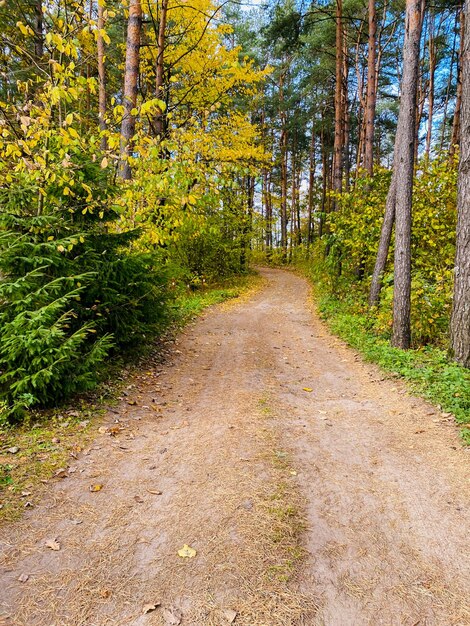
148,608
95,488
187,552
293,473
53,544
309,389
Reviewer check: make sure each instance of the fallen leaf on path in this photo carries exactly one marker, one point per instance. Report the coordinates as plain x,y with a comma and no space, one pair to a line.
23,578
138,499
105,593
187,552
293,473
13,450
148,608
173,617
53,544
95,488
155,492
230,615
309,389
61,473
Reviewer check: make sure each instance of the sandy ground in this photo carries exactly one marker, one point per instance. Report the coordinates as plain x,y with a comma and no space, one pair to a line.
313,490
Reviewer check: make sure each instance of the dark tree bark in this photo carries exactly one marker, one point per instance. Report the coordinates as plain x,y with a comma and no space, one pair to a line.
454,142
101,76
297,208
311,183
449,84
403,174
326,178
131,75
159,121
384,245
38,31
283,158
371,92
339,102
346,166
432,72
460,321
268,213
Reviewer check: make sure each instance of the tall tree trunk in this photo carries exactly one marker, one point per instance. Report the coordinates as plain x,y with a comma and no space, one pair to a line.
432,71
449,83
268,214
159,121
311,183
454,142
339,104
284,218
283,157
460,321
297,207
326,177
295,224
345,113
371,91
384,245
403,172
38,31
101,75
131,75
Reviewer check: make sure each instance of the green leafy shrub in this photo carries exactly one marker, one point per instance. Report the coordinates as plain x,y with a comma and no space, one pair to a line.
71,289
355,231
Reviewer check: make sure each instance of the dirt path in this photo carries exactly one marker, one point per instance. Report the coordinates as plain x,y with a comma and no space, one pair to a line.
346,505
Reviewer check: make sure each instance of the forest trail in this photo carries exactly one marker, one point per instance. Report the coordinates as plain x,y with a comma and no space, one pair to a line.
268,440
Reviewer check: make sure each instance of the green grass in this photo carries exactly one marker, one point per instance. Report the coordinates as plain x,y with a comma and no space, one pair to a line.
190,304
43,448
428,370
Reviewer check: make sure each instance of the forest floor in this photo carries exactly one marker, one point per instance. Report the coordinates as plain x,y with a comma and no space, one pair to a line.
312,489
